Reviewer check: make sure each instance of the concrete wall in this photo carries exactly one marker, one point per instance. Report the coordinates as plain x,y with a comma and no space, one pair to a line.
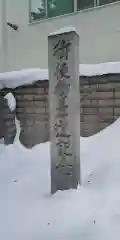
2,126
99,31
32,111
100,103
100,106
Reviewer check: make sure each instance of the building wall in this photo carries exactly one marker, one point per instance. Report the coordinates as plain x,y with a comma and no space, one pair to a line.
99,31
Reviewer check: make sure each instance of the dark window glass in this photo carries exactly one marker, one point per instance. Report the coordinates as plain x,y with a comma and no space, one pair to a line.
84,4
102,2
59,7
54,8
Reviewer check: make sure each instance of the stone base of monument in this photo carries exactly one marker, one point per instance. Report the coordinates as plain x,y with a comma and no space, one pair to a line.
64,181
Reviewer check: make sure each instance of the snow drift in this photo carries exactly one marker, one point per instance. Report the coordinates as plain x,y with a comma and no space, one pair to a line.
28,211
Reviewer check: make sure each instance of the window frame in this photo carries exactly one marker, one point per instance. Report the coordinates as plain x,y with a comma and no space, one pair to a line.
48,18
96,5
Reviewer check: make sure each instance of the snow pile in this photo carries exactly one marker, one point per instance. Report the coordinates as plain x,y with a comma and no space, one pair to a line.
63,30
27,211
16,139
22,77
11,101
12,106
28,76
99,69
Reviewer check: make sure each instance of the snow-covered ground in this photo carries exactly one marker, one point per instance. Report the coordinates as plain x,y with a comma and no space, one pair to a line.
29,212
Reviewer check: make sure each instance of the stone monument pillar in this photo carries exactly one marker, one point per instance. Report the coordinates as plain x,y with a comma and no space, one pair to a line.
64,100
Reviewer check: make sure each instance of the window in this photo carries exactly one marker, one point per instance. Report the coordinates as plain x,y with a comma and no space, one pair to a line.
84,4
42,9
38,9
103,2
59,7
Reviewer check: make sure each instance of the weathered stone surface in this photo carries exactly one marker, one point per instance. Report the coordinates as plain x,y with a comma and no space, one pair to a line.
64,110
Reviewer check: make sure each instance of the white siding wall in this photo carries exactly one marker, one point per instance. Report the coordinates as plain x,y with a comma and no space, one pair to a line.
99,31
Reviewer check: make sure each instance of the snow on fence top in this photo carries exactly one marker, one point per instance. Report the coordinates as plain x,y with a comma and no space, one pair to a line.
28,76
